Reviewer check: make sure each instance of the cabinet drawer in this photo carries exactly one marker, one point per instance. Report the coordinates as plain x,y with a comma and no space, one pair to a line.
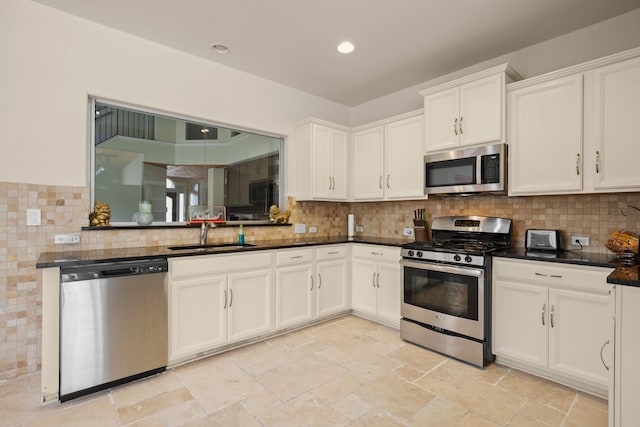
376,253
553,274
324,253
294,256
195,266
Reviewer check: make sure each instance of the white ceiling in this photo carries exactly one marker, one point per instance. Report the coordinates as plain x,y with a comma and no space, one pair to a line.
399,43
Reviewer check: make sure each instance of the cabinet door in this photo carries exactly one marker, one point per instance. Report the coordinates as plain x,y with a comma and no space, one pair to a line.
198,315
404,162
441,119
388,284
368,167
520,318
338,166
580,334
331,287
250,302
545,137
627,353
294,295
321,161
616,110
363,285
481,111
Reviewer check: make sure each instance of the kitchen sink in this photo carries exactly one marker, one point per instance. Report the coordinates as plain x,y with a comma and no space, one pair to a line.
213,246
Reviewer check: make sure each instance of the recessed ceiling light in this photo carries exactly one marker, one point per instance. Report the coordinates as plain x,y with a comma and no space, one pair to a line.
220,48
346,47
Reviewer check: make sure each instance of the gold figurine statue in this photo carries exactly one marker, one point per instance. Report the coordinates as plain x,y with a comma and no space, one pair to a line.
101,215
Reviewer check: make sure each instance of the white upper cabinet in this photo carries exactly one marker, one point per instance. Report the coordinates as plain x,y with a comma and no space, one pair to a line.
612,110
388,159
545,137
467,111
574,131
321,160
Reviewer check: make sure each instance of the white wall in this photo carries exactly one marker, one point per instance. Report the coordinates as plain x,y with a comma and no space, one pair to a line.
51,62
602,39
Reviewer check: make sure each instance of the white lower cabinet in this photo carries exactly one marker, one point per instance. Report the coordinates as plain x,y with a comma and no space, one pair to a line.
310,283
375,282
214,301
556,320
625,411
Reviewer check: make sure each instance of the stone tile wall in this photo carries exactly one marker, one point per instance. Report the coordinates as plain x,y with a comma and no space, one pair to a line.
65,210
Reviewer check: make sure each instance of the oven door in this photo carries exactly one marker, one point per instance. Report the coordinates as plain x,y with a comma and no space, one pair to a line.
444,296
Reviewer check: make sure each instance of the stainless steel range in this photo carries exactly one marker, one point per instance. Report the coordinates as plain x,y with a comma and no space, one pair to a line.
446,301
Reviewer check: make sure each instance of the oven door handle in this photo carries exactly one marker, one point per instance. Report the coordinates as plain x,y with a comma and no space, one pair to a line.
465,271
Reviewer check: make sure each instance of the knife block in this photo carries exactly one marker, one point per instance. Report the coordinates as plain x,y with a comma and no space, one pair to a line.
420,233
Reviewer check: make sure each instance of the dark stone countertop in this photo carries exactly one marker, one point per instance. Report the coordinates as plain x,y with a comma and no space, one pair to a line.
622,275
76,258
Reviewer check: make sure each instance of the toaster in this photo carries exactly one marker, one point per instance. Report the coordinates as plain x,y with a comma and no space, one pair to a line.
544,240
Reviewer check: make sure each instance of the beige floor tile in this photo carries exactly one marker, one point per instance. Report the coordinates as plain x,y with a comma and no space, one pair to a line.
182,413
351,406
475,420
395,396
23,406
408,373
299,377
376,418
345,339
583,415
260,358
535,388
417,357
491,402
439,412
365,363
95,413
357,324
217,383
595,402
261,403
233,416
305,410
339,387
535,410
145,388
153,405
152,421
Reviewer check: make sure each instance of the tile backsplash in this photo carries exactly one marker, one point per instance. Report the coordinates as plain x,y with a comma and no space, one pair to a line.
65,210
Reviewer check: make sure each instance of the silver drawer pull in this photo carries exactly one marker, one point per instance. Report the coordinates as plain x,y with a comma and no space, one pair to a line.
375,253
602,358
373,280
225,299
333,252
551,314
319,280
556,276
296,257
544,309
230,298
540,274
311,283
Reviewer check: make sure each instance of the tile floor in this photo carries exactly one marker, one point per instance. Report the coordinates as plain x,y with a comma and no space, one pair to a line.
345,372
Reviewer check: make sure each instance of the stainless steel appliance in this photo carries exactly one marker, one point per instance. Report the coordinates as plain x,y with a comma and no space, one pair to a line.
543,240
470,170
113,324
446,295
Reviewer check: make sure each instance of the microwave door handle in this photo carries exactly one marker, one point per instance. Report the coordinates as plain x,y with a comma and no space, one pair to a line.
479,170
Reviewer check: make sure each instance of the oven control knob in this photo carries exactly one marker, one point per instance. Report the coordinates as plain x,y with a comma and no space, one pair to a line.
456,257
419,254
410,253
467,258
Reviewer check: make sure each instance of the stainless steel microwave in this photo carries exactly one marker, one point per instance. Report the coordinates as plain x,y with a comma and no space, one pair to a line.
465,171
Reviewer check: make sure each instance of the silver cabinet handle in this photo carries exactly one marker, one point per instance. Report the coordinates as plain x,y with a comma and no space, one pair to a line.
225,299
373,280
460,125
295,257
329,182
544,309
578,164
540,274
333,179
598,171
378,280
311,283
380,182
319,280
375,253
455,126
551,314
230,297
601,357
556,276
388,178
333,252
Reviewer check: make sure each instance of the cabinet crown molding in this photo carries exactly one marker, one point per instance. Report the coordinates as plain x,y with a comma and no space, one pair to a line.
576,69
511,74
322,122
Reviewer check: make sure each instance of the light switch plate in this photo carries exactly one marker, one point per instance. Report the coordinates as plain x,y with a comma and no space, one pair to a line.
34,217
313,229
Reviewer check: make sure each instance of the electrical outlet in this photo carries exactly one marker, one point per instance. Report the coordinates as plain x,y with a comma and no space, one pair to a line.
359,229
300,228
34,217
407,231
313,229
581,241
66,239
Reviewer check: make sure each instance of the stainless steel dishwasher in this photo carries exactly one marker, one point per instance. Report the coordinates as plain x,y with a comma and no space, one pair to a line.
113,324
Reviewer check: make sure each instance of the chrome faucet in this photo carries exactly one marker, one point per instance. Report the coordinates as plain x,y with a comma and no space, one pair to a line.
204,229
